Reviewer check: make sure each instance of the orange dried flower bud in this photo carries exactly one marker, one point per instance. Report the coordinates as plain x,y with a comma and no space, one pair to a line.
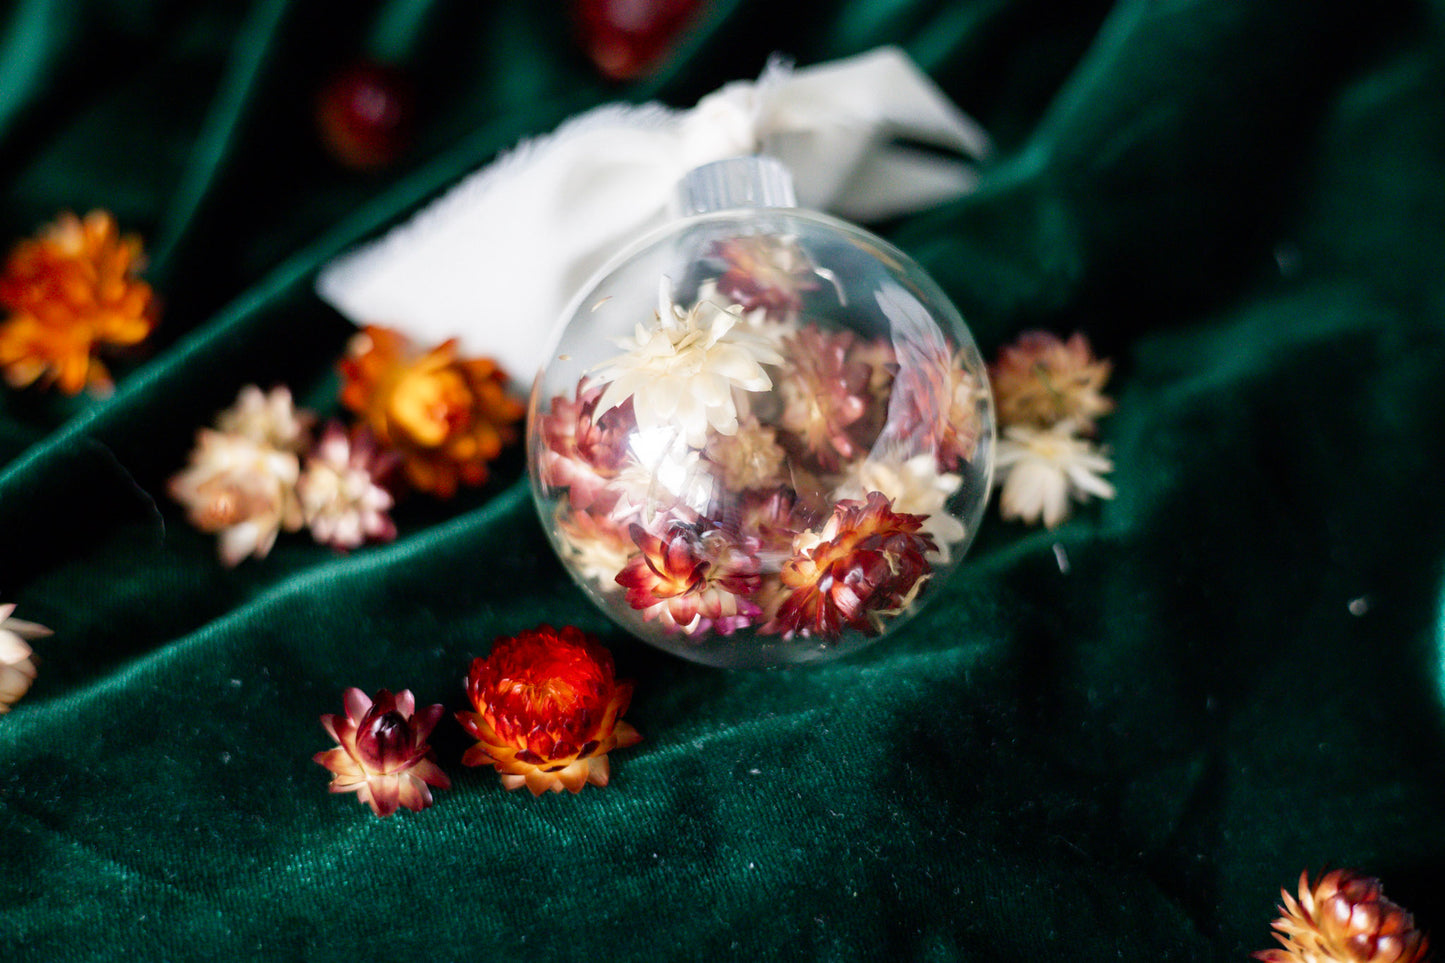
447,417
70,292
1344,918
548,710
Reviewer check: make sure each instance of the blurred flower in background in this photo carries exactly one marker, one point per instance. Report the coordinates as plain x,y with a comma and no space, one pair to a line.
71,292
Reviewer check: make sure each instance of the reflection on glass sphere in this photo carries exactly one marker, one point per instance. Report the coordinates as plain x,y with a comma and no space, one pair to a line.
763,437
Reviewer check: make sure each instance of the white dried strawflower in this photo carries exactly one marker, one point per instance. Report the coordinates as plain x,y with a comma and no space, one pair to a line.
17,661
1041,470
681,372
269,419
241,489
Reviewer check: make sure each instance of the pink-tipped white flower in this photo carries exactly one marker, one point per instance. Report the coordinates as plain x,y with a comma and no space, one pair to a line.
692,580
17,661
340,498
1041,470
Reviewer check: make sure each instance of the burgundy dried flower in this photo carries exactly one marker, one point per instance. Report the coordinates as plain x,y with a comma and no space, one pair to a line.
548,710
1040,380
766,271
691,579
824,393
774,519
382,753
867,562
1345,918
583,452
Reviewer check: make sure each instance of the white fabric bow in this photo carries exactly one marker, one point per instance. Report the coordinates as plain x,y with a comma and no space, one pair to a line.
493,261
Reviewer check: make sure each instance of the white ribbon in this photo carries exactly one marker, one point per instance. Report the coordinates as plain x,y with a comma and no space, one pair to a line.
493,261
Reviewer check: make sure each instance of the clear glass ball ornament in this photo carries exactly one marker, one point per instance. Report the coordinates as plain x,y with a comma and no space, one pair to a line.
764,436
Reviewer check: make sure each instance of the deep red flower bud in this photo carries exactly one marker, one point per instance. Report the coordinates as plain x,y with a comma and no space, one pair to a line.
382,753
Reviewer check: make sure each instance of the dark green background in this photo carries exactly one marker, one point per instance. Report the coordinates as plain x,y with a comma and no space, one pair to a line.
1242,202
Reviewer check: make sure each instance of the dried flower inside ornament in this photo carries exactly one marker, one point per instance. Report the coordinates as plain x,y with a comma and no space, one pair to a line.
763,435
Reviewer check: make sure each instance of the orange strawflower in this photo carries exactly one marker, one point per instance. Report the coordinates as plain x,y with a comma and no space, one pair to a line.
70,292
548,710
1344,918
447,417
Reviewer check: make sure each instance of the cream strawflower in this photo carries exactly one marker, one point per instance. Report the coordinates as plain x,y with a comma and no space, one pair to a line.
343,504
269,419
17,661
681,371
916,487
750,458
1041,469
241,489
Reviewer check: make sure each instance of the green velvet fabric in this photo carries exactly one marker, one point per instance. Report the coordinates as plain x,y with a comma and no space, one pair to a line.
1116,740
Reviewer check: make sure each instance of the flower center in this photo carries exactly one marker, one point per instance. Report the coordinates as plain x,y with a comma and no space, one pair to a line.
430,405
387,740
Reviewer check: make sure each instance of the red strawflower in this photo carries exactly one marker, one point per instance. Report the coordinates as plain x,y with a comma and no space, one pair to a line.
548,710
1344,918
383,754
692,580
867,562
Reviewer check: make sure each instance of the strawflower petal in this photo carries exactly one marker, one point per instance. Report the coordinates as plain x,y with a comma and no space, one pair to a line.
446,417
17,661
